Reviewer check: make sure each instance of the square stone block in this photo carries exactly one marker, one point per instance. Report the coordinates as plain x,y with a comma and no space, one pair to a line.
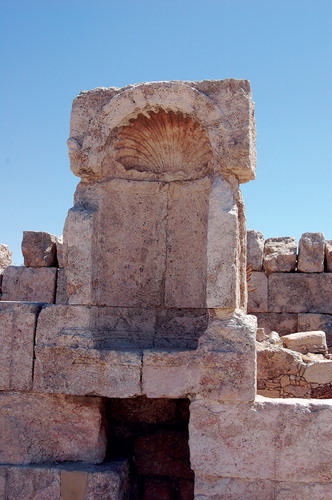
311,253
38,428
29,284
17,331
299,293
257,293
308,322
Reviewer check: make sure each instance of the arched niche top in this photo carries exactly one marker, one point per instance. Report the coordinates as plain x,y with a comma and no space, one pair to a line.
94,147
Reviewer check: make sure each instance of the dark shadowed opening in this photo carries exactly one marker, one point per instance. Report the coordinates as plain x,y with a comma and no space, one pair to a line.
153,435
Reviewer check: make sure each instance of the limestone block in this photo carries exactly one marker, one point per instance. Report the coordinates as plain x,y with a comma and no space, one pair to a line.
252,442
314,341
5,257
308,322
283,323
61,295
37,428
65,482
274,362
319,372
17,330
255,248
280,255
59,251
328,256
298,293
29,284
113,374
311,253
257,293
39,249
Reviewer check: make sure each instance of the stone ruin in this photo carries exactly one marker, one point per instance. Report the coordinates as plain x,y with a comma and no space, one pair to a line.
128,358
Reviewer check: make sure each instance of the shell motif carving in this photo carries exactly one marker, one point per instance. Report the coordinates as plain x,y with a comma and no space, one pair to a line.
164,142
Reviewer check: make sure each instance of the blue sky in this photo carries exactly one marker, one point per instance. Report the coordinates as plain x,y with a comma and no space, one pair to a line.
51,50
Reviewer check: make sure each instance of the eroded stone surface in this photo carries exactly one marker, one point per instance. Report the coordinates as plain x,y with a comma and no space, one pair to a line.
328,255
280,255
257,293
29,284
311,253
255,248
37,428
39,249
283,323
314,341
308,322
5,257
17,331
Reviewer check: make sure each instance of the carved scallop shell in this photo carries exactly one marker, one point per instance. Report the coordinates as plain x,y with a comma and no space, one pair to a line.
164,142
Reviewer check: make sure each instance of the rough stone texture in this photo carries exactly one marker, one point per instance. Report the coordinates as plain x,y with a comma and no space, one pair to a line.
283,323
65,482
259,441
314,341
17,331
29,284
229,488
299,293
311,253
255,248
37,428
328,256
308,322
280,255
257,293
59,250
5,257
39,249
61,296
274,362
319,372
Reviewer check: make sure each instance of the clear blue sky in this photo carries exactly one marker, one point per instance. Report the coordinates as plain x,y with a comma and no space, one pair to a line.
51,50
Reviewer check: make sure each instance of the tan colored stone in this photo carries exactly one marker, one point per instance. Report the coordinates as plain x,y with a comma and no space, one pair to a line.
274,362
66,482
314,341
307,322
328,256
311,253
299,293
5,257
280,255
39,249
296,391
283,323
255,248
319,372
257,293
17,331
251,441
38,428
29,284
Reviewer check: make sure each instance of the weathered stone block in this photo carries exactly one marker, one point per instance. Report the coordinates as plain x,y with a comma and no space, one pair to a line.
29,284
314,341
298,293
5,257
280,255
37,428
275,362
39,249
308,322
255,248
59,251
283,323
257,293
251,441
311,253
319,372
17,331
61,295
328,256
65,482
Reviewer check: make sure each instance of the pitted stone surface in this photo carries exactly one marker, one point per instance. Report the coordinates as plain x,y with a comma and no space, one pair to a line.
39,249
280,255
5,257
29,284
311,253
255,249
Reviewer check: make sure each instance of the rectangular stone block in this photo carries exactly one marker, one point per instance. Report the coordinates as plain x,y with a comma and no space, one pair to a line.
255,248
61,295
311,253
65,482
299,293
308,322
251,441
280,255
28,284
283,323
17,331
38,428
257,292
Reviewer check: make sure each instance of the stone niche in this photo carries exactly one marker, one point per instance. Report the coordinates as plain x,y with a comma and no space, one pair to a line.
154,247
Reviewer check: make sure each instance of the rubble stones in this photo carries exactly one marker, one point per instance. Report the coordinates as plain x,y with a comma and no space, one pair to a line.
280,255
304,342
29,284
311,253
255,248
39,249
